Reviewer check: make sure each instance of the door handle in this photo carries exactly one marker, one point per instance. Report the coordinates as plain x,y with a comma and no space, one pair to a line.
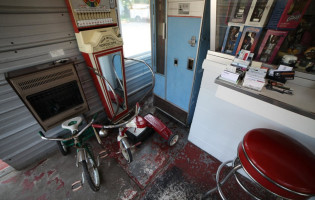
192,41
163,30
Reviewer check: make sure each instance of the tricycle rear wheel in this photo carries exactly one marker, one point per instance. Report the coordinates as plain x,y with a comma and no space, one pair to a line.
62,148
172,140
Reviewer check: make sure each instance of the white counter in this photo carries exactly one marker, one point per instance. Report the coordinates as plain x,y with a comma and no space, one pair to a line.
223,115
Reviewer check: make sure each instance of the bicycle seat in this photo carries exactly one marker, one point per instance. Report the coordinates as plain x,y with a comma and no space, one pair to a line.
72,124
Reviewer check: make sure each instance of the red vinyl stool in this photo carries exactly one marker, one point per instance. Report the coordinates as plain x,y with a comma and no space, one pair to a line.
275,162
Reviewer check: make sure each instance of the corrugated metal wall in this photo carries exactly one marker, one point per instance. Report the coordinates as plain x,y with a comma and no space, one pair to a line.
29,31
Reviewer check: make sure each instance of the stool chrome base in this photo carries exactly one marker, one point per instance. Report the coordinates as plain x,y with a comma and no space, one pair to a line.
236,166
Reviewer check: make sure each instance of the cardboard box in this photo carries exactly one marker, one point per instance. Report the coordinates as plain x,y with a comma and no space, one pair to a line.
232,37
259,13
270,45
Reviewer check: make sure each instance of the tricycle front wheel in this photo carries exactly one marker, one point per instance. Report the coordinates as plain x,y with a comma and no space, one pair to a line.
126,152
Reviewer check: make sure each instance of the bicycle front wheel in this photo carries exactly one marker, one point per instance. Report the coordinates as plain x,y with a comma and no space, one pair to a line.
91,173
126,152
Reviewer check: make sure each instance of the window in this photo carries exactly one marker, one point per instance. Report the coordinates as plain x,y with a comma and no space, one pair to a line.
277,31
136,30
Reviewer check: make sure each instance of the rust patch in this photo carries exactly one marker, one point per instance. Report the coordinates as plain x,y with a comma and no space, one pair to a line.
10,180
27,184
30,171
58,181
37,178
50,172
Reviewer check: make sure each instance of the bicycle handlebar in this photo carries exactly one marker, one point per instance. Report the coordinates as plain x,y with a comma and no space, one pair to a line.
152,75
69,138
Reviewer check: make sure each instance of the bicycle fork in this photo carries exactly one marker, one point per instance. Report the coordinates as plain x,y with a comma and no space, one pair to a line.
82,155
122,138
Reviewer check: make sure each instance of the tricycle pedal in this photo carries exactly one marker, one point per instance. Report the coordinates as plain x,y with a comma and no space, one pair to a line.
76,186
103,154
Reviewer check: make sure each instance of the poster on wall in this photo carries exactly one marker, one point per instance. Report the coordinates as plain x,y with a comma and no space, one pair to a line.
293,13
239,11
249,38
270,45
288,14
232,37
259,12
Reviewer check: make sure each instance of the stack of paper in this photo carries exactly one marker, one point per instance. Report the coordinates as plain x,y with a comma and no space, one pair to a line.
232,77
255,78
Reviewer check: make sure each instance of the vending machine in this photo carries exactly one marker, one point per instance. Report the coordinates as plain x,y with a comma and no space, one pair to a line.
99,39
180,43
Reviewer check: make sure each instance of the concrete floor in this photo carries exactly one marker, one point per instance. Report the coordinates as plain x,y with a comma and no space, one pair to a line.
157,172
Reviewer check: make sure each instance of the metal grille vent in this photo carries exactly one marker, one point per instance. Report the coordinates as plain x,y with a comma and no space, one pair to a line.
36,82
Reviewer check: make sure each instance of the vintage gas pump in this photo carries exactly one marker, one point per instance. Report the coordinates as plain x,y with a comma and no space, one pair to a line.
98,35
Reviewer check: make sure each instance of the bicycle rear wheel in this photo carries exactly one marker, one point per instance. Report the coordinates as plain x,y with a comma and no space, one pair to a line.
91,173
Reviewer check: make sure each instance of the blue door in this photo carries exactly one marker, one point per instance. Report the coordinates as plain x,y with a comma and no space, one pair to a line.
182,32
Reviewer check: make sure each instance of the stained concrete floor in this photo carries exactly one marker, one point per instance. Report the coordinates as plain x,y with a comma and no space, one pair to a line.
182,172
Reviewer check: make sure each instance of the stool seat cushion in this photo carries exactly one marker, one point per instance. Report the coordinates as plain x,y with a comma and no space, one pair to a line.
278,162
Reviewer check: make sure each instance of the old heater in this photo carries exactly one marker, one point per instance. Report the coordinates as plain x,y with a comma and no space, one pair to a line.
52,94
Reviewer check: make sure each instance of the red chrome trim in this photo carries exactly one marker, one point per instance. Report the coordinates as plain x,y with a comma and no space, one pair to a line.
72,17
103,83
97,126
87,59
257,177
269,179
124,131
281,160
106,52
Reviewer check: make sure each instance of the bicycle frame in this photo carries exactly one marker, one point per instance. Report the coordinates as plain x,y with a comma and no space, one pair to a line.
82,151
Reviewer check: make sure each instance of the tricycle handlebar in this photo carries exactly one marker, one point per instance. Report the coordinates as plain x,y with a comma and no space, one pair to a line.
120,124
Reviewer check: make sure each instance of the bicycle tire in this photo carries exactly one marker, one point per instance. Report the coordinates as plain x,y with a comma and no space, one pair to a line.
126,152
94,186
62,148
